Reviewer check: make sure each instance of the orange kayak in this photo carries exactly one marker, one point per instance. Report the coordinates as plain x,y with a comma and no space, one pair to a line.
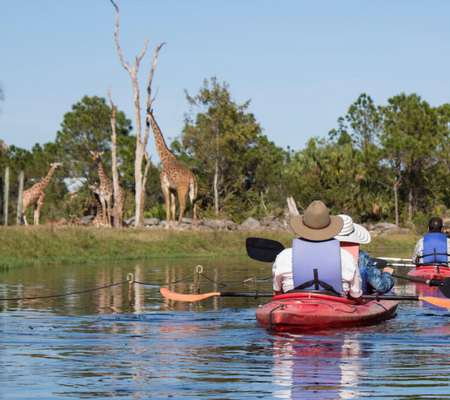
312,310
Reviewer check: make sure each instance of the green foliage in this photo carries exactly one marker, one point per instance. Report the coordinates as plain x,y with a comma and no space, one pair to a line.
401,148
156,211
88,128
227,151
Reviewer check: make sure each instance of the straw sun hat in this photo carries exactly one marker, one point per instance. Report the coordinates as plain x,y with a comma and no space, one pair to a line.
316,224
351,232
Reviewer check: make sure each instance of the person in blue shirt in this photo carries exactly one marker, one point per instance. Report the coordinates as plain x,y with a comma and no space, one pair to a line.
373,280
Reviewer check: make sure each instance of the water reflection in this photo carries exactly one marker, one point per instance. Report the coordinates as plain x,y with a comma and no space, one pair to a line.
138,345
324,368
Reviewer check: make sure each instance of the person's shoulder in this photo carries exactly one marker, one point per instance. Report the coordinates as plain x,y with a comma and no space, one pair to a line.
286,253
346,256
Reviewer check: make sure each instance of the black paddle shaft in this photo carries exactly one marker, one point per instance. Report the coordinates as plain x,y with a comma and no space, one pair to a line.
246,294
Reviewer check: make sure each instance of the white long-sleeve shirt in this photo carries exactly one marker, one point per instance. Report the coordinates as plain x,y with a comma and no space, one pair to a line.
283,279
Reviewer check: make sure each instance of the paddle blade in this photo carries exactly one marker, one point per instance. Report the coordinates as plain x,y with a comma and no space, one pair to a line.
437,301
264,250
186,297
444,286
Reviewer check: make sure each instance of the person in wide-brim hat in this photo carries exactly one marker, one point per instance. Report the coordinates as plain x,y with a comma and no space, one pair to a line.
373,280
316,224
352,233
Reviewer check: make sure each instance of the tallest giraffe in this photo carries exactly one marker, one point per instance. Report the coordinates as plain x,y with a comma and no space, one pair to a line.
175,178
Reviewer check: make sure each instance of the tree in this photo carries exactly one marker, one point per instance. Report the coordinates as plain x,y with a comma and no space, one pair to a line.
220,139
88,128
410,138
141,143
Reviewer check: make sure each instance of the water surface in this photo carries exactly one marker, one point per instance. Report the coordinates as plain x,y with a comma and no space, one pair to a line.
128,342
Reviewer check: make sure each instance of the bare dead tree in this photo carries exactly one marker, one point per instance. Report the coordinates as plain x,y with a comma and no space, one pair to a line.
115,172
141,144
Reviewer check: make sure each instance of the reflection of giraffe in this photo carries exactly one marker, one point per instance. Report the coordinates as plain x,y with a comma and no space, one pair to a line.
175,178
35,195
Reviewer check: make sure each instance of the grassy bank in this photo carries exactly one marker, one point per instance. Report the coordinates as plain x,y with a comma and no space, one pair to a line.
20,246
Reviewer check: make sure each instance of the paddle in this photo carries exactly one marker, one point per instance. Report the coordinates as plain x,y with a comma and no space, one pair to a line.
265,250
196,297
389,264
395,259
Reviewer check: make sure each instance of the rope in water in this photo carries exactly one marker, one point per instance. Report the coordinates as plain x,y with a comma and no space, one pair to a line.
130,280
63,294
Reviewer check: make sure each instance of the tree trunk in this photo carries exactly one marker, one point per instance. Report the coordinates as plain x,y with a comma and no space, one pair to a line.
6,196
20,199
396,203
115,172
410,203
139,221
216,190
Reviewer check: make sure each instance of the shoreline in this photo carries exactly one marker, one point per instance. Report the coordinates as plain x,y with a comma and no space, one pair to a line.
30,246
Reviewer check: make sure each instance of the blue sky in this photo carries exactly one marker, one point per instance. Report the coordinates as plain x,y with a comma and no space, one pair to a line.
301,63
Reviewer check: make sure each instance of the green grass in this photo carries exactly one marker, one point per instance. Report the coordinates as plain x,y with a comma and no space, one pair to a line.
392,243
21,246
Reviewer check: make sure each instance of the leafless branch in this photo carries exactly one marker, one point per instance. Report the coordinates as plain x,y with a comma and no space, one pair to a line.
149,90
152,71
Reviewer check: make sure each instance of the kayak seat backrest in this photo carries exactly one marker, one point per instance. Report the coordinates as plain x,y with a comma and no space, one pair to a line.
317,265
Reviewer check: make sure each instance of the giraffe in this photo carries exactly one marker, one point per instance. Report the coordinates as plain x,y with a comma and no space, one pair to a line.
35,195
96,189
106,192
98,220
175,178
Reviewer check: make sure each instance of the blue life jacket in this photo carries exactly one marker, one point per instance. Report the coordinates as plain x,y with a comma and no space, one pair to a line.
435,248
317,265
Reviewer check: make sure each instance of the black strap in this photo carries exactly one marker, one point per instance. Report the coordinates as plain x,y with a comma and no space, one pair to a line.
434,254
316,282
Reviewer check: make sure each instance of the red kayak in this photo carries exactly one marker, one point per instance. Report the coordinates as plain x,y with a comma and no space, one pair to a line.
437,273
313,310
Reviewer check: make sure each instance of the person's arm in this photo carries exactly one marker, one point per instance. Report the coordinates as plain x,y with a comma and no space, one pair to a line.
381,282
351,278
277,278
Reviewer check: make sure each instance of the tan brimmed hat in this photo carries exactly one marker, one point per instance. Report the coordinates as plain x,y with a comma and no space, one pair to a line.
316,225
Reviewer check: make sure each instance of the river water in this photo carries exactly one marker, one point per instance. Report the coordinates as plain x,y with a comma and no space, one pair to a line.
127,341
